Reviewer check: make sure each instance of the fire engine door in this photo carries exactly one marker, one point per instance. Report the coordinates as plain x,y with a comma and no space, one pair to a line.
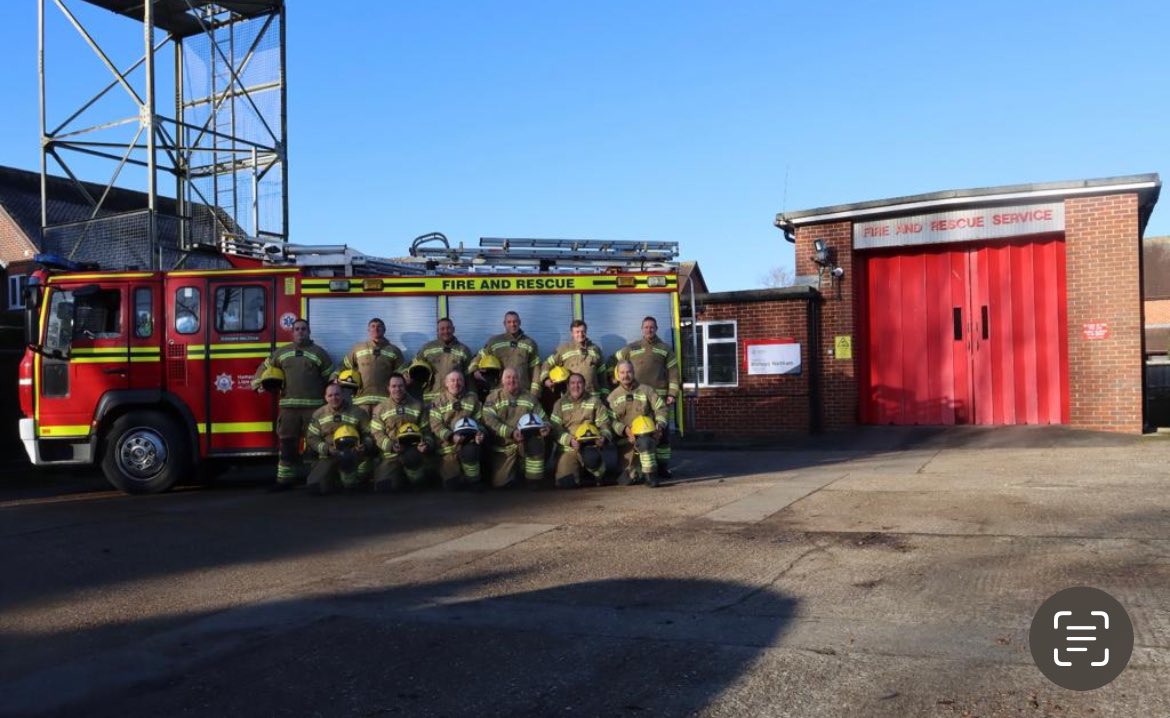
87,353
241,333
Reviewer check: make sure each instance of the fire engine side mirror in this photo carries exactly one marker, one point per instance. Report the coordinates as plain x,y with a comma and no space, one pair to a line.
33,294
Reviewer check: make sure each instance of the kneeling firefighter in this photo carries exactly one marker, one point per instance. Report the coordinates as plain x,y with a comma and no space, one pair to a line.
339,436
639,419
454,419
401,432
582,430
518,428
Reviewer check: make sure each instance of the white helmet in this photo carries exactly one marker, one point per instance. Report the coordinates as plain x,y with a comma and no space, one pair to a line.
465,425
529,422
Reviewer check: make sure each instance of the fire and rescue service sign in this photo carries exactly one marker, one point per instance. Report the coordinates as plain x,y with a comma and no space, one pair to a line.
968,225
772,356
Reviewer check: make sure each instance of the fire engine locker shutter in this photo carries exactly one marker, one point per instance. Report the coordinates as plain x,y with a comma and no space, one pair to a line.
615,320
340,322
545,318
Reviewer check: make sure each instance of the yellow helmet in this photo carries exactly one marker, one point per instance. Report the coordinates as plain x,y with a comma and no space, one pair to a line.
272,378
420,371
615,376
587,433
489,362
408,432
558,374
350,379
643,425
346,436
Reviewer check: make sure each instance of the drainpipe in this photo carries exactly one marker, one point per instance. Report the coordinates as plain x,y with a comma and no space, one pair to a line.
814,362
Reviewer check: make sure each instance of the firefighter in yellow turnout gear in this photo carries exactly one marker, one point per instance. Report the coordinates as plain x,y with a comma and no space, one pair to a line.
582,429
515,350
401,431
299,371
454,418
339,436
508,416
655,366
376,359
639,419
444,355
580,355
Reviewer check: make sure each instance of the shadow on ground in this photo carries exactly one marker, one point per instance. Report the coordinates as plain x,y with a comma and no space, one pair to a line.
613,647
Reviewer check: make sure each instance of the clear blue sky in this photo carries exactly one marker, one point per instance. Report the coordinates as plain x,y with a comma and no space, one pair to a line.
679,121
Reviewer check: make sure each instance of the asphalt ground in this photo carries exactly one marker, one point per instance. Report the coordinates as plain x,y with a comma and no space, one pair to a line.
879,573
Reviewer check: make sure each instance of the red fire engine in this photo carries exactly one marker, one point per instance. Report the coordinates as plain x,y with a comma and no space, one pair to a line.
148,373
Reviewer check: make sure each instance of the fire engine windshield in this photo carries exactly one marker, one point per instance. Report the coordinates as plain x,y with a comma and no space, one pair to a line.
93,314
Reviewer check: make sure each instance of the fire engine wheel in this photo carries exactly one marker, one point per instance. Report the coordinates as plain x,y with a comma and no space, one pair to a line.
145,453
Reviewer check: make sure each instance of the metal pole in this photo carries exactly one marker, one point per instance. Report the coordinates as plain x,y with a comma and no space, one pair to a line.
179,140
44,138
282,146
148,122
255,193
694,353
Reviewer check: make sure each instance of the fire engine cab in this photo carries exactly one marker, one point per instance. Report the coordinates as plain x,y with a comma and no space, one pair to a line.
148,374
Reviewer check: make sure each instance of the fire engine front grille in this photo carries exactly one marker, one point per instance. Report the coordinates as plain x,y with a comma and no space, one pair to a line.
177,364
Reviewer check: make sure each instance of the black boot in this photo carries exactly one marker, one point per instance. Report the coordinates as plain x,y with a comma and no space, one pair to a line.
624,478
664,471
566,482
279,486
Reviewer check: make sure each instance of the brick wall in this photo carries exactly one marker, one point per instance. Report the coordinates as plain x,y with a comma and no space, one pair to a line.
839,390
760,405
1104,285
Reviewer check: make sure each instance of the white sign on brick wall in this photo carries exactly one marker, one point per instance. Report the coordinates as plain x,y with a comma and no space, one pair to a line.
968,225
772,357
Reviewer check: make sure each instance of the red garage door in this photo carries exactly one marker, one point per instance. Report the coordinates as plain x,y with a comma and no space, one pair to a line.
970,334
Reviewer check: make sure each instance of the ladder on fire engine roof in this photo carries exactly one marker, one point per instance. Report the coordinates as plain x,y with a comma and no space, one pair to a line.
495,255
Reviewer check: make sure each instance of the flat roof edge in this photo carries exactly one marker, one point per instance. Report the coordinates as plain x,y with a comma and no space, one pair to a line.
1144,184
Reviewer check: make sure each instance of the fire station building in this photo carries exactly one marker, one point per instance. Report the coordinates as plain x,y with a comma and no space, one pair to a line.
1020,304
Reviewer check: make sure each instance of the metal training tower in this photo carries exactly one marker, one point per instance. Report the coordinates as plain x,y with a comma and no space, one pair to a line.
223,146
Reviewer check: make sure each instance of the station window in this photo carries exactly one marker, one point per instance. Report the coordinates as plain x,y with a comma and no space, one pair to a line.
143,312
717,360
17,283
239,309
187,310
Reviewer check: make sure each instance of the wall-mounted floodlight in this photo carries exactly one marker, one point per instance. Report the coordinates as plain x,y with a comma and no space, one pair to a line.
822,254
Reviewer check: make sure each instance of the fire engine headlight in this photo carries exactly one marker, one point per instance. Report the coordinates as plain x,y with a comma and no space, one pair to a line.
339,285
658,281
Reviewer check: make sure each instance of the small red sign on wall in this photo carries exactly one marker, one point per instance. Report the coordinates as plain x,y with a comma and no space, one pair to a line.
1096,330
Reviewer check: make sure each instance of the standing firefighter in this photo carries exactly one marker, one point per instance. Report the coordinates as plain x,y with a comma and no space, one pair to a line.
454,417
579,355
299,371
639,418
401,432
443,355
582,427
515,350
517,424
655,366
376,359
339,436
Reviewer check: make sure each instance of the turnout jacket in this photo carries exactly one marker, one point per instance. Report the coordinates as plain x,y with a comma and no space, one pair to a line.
515,351
626,405
444,359
655,365
567,415
325,421
307,368
388,415
376,362
445,409
586,361
502,411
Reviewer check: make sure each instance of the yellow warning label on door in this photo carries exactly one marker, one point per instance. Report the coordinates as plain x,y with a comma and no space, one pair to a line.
290,286
843,347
